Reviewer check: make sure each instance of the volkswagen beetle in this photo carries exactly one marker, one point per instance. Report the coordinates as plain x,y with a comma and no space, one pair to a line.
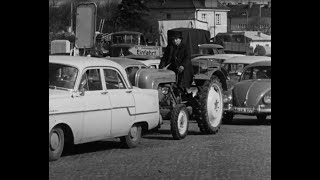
252,94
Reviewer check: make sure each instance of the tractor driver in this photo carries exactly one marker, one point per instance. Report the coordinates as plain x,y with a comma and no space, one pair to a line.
177,58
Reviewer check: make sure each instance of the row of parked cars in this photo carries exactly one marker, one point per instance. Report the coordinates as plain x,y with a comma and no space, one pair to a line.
91,99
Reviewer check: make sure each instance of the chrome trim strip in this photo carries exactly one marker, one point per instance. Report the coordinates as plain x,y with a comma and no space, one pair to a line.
58,113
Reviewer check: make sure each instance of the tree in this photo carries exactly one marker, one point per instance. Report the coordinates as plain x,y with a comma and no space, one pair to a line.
130,15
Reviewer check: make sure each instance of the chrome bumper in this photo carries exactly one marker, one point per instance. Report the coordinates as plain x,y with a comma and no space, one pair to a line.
258,110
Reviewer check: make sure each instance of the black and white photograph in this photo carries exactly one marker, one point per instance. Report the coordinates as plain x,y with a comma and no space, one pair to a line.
160,89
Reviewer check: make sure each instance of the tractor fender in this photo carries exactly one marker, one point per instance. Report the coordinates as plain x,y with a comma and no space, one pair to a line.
150,78
219,72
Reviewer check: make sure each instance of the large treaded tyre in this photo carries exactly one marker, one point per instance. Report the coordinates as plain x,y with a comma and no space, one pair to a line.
179,122
210,107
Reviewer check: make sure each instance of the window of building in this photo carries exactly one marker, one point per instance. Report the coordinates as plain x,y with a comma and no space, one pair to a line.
218,19
204,17
168,16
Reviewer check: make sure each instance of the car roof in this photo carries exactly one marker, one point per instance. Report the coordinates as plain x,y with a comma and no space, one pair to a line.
260,63
210,46
142,57
151,61
126,32
246,59
219,56
125,62
82,62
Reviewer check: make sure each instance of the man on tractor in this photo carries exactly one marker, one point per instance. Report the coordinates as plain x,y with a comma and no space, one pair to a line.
177,58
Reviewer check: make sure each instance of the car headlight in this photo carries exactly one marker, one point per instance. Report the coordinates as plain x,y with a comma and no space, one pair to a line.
227,98
165,90
267,99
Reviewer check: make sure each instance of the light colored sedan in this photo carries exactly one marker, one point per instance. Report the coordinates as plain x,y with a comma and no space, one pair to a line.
91,99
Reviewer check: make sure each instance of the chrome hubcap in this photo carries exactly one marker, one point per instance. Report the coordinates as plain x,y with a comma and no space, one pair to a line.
214,105
134,132
182,122
54,141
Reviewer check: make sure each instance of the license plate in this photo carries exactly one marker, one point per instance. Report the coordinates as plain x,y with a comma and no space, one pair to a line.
243,110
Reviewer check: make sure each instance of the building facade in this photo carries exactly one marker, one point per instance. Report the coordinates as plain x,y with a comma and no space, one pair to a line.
210,15
250,17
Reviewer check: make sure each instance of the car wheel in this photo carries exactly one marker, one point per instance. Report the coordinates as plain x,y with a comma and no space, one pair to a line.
210,107
133,138
262,117
56,143
179,123
227,118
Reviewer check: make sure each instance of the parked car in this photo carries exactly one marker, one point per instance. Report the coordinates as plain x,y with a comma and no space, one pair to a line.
91,99
220,58
131,67
149,61
209,49
120,42
235,65
252,94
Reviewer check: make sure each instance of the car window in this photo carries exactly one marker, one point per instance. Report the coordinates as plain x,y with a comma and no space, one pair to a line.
91,80
247,74
262,72
113,79
131,72
239,68
62,76
258,72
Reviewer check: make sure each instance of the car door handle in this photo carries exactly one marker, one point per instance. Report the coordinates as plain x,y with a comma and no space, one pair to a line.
104,92
129,91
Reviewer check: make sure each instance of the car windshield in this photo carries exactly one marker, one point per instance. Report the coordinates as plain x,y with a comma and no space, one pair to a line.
125,39
62,76
258,72
234,68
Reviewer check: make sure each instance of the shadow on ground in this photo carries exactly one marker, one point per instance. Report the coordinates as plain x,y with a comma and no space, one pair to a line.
159,134
92,147
249,122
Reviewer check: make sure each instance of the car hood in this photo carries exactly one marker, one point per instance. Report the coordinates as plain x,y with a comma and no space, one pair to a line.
248,93
57,93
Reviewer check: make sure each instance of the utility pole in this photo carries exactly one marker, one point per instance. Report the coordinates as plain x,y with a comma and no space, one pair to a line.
260,5
71,17
247,19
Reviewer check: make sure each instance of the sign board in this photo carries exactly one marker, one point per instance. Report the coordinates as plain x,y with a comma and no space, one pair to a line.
146,50
86,25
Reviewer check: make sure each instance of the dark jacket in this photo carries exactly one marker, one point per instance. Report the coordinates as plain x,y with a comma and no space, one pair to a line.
178,56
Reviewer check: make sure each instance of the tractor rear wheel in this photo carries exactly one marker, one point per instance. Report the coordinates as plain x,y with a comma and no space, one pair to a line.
210,107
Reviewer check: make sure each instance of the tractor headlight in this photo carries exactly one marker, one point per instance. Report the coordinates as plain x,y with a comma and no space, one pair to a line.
267,99
165,90
227,98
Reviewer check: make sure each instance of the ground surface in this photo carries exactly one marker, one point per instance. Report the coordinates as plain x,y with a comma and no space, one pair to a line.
241,150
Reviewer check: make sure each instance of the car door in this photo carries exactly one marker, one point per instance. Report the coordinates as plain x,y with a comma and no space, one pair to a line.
97,115
122,101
